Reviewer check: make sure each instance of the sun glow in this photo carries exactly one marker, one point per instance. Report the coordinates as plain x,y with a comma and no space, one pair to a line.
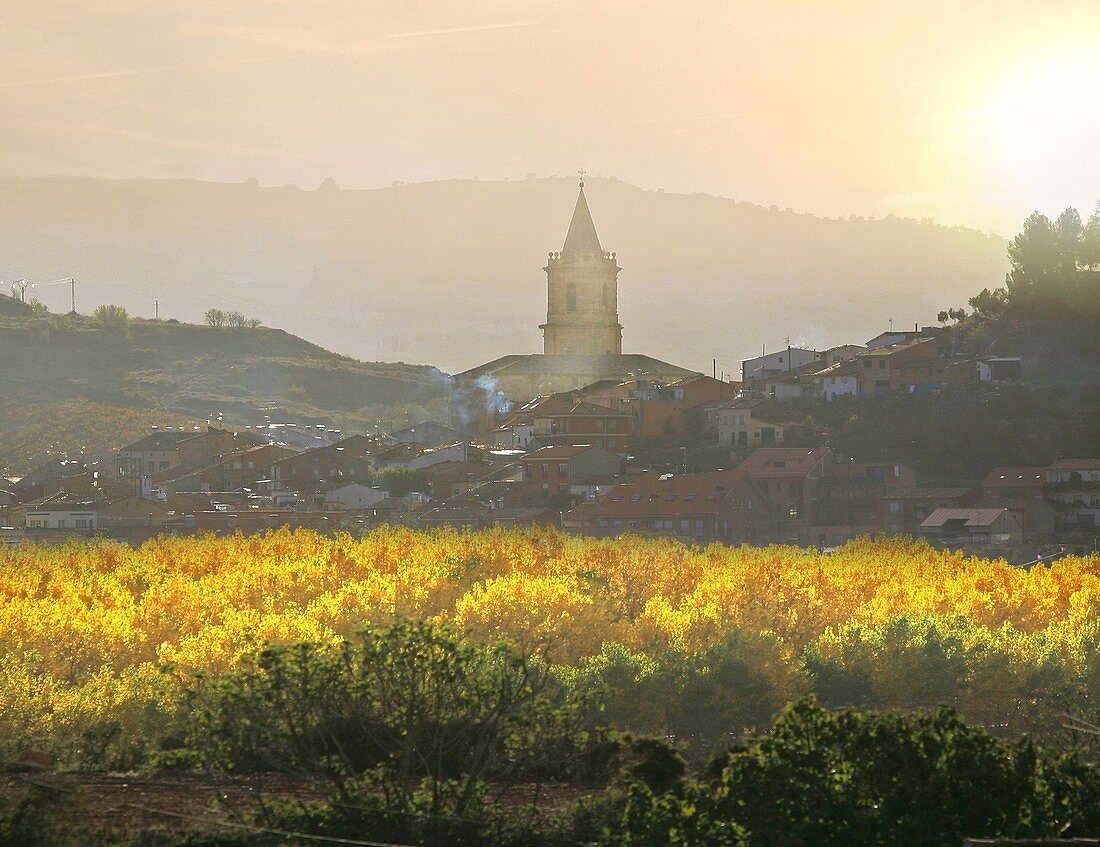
1044,133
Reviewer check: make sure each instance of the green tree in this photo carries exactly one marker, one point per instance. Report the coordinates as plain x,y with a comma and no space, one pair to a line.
398,481
112,317
410,708
1035,255
38,307
827,778
1090,244
215,317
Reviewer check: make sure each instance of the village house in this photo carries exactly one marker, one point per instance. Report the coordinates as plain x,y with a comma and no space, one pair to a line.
343,496
749,423
42,480
849,496
789,478
905,509
584,423
1073,488
158,451
918,367
229,472
839,380
971,527
428,433
550,472
755,371
717,506
840,353
350,459
796,384
60,512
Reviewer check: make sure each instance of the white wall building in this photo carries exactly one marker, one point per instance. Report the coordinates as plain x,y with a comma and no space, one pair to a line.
776,363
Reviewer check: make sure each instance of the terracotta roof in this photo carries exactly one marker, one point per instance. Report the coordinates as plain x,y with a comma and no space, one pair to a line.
669,495
970,517
844,368
585,409
782,461
163,440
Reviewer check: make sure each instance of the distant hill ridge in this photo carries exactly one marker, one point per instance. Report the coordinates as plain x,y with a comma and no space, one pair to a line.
153,372
449,272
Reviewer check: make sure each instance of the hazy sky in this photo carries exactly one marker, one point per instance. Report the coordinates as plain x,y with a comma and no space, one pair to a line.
969,111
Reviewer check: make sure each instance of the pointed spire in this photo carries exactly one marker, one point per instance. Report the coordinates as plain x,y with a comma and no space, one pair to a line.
582,239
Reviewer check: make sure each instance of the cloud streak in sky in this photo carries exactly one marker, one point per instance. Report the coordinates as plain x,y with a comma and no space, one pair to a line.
379,46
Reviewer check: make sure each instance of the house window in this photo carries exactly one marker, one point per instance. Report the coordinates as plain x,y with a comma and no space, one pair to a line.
599,424
895,507
545,469
546,488
563,469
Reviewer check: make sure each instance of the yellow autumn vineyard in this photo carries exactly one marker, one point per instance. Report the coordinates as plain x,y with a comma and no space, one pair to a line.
87,628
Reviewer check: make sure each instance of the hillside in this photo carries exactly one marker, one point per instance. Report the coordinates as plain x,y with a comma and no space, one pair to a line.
71,385
449,272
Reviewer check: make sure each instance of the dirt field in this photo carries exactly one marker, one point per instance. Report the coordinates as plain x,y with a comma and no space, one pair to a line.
143,806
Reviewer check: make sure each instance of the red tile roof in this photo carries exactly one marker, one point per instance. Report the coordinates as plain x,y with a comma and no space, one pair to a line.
669,495
783,461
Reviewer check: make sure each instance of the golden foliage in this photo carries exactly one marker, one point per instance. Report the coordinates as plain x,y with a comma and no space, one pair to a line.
86,627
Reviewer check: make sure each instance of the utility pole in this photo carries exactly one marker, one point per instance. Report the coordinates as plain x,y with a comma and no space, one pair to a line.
156,309
72,295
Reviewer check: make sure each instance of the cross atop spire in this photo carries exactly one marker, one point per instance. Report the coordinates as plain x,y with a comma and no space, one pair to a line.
581,174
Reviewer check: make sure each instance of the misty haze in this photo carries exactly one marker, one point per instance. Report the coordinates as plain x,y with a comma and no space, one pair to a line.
545,423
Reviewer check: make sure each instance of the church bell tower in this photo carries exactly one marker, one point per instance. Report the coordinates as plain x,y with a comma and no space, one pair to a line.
582,297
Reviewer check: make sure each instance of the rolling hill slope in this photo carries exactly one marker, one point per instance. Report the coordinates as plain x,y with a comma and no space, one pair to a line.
71,385
449,272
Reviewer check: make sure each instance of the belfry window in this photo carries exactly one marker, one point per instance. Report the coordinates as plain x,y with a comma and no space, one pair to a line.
606,296
571,297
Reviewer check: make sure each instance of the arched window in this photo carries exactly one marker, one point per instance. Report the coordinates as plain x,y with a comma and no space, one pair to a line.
571,297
